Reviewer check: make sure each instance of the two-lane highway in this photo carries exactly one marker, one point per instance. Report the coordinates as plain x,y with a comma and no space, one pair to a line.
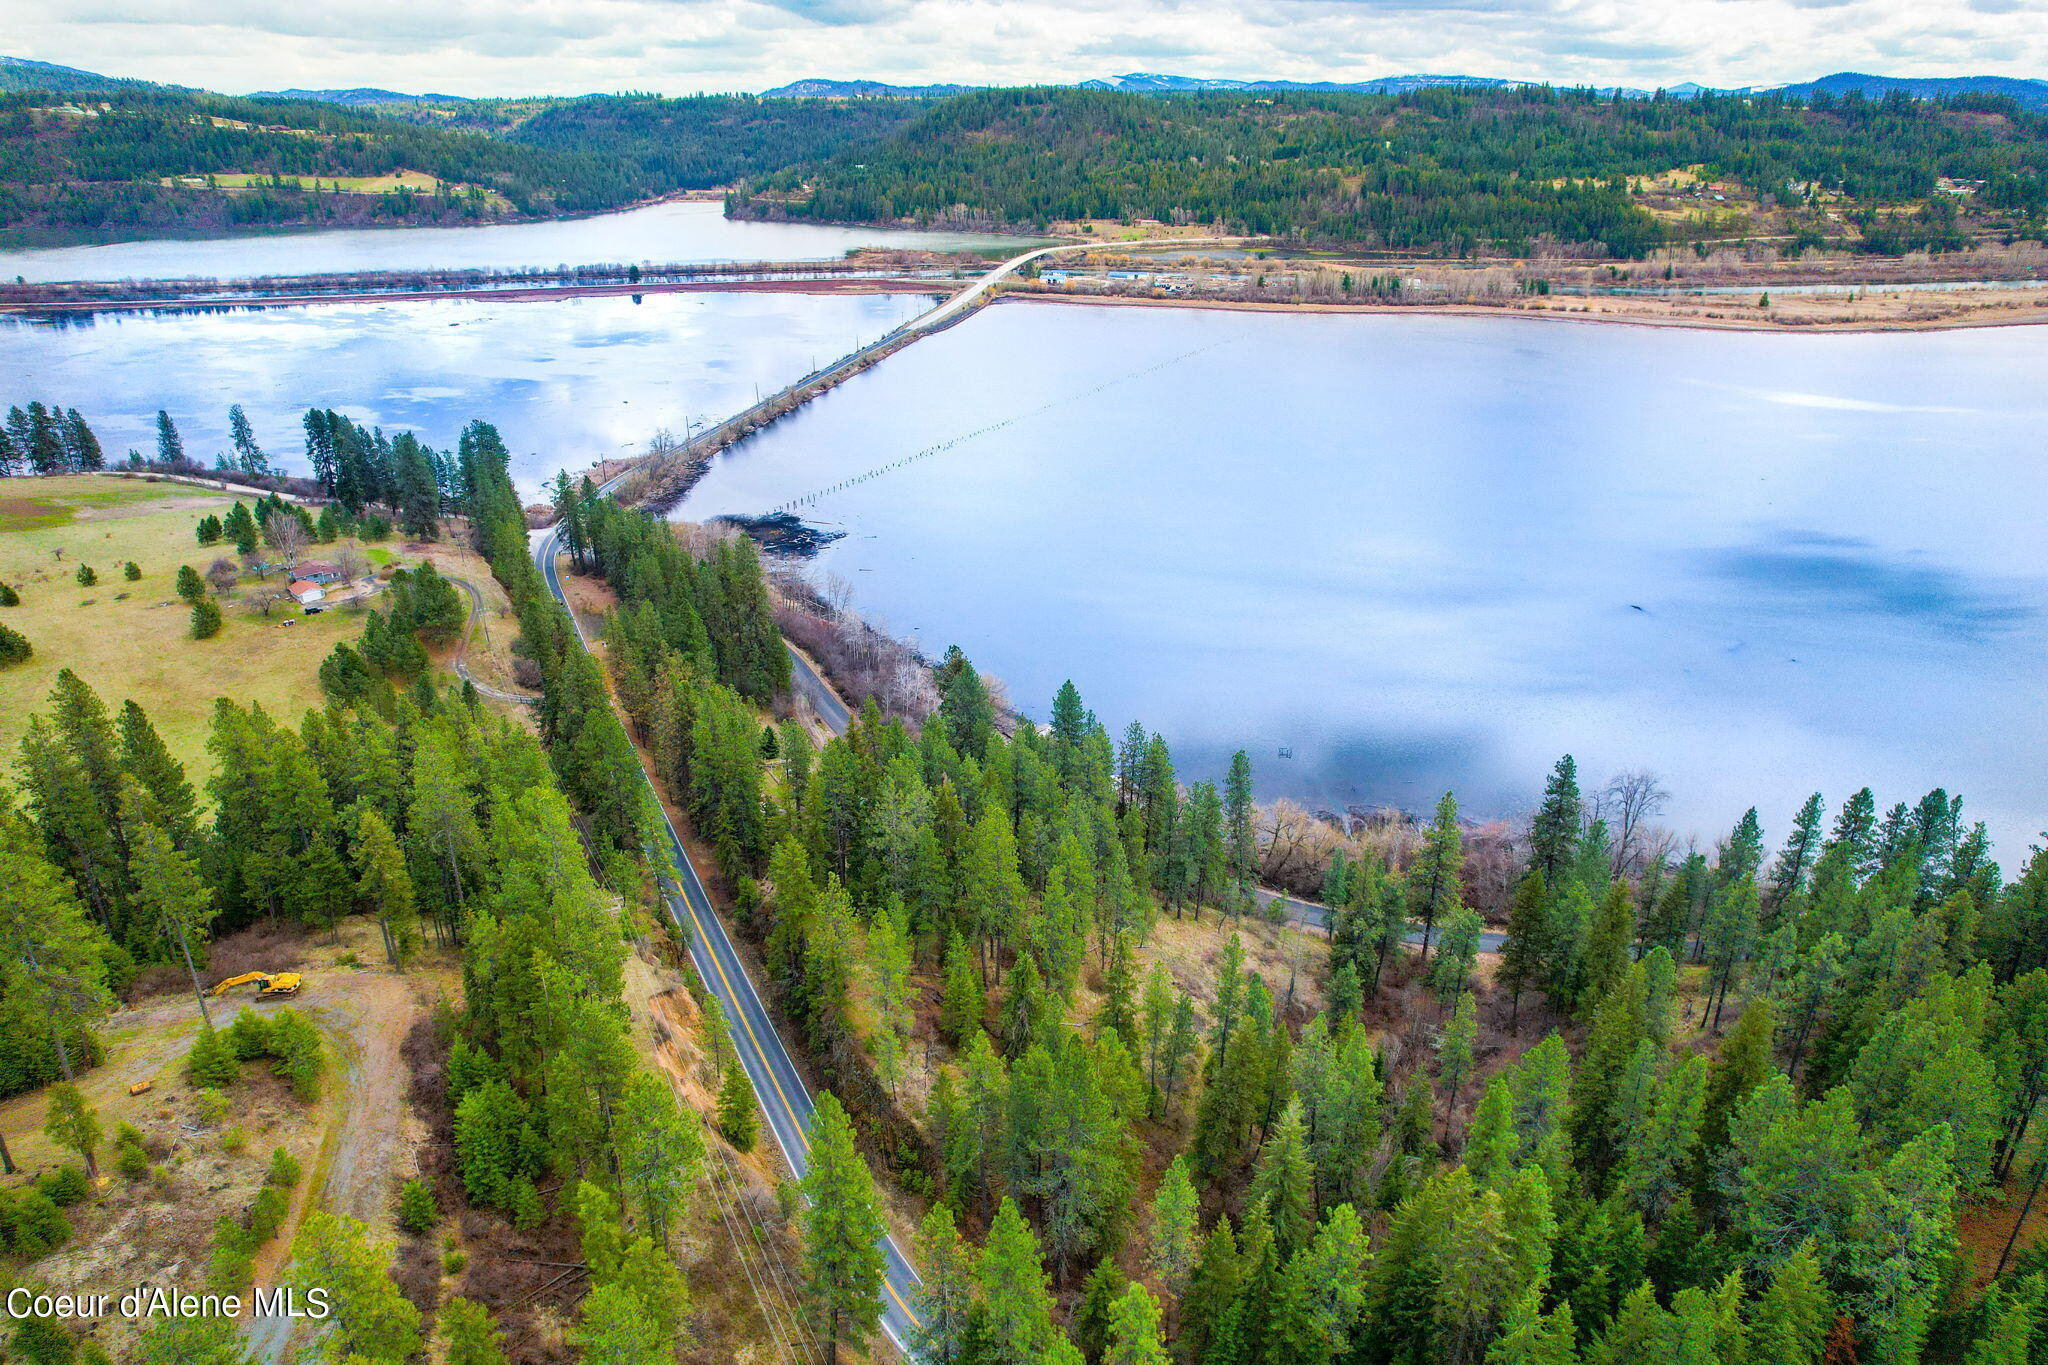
785,1100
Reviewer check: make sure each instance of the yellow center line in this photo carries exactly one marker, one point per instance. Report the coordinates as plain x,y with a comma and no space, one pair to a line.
746,1023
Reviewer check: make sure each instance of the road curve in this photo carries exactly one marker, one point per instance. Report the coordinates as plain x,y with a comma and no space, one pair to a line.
476,611
974,293
785,1100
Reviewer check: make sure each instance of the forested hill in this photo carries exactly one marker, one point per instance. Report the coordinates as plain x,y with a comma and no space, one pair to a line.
707,140
156,158
1439,169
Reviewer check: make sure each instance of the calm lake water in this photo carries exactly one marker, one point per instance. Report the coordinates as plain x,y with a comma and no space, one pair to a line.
568,381
1413,552
1394,555
679,231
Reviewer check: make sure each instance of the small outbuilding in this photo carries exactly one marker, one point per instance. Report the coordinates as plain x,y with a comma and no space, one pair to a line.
304,591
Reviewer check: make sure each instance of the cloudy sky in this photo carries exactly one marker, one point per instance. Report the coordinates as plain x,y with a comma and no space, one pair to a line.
490,47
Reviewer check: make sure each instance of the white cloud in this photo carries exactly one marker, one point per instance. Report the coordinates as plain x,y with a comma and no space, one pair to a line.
483,47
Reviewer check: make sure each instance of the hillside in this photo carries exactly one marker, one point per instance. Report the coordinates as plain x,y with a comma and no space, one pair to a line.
1449,170
161,159
19,73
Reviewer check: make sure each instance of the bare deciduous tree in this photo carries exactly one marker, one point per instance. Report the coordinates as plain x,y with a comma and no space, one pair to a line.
1628,802
287,535
350,560
222,575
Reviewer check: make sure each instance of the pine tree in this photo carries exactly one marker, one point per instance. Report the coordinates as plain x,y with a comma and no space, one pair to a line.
368,1316
471,1337
1533,1337
1281,1182
1017,1301
1454,1052
206,621
171,897
170,447
1212,1290
1433,882
71,1124
613,1327
14,646
1554,833
1608,939
416,1210
1176,1226
843,1227
384,887
1134,1331
738,1116
1450,976
1238,817
1099,1294
1522,954
1791,1320
946,1291
961,1004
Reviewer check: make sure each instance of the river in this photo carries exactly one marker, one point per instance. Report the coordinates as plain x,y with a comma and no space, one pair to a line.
679,230
1395,555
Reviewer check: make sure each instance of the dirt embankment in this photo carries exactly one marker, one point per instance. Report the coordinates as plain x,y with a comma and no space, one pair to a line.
1889,311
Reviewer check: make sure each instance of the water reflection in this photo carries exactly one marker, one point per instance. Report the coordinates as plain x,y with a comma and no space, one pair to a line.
568,381
679,231
1418,553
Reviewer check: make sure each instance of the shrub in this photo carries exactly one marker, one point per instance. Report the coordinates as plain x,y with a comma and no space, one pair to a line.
214,1105
131,571
266,1215
284,1169
234,1139
8,596
131,1159
14,646
211,1062
295,1043
232,1260
416,1210
66,1186
249,1036
205,619
454,1260
31,1226
86,577
43,1341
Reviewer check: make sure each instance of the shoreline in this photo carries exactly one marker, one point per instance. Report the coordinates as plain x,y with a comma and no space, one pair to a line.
2009,308
1613,312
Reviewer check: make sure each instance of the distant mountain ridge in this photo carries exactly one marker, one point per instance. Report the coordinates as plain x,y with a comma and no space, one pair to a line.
2030,94
19,73
819,88
360,97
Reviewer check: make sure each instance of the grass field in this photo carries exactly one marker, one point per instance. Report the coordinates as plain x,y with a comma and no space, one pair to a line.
354,184
133,639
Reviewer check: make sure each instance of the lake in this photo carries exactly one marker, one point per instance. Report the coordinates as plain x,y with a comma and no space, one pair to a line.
681,230
1411,552
569,381
1391,555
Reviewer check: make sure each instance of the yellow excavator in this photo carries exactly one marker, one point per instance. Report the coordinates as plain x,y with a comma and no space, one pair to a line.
272,983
